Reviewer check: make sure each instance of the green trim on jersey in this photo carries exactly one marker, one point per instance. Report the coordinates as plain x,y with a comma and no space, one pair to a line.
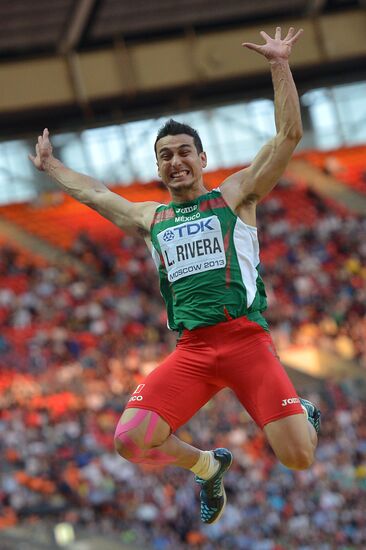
208,263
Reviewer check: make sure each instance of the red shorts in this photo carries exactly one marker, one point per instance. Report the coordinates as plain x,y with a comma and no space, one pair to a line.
237,354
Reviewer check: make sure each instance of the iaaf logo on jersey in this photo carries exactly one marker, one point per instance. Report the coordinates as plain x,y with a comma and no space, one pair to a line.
186,209
187,230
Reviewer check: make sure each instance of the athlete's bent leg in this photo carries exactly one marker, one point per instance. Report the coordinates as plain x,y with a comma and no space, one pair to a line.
293,440
169,396
142,436
262,385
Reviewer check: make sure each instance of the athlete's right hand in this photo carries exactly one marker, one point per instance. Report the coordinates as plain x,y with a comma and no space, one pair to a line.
43,152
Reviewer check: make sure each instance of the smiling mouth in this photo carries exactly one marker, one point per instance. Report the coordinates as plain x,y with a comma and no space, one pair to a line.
180,174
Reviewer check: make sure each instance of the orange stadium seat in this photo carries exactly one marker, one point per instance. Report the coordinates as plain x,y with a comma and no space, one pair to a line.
348,165
61,223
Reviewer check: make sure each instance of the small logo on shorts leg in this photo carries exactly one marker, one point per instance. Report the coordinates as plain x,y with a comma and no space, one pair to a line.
136,398
290,401
137,390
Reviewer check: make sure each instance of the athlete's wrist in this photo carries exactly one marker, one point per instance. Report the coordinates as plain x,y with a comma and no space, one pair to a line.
278,61
51,165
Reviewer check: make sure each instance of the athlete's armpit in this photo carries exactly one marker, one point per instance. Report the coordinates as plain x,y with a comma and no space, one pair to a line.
253,183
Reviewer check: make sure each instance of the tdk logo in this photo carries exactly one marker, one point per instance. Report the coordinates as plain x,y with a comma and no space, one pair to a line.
188,230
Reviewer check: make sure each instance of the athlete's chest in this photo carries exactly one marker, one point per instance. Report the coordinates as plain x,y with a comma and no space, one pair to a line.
192,242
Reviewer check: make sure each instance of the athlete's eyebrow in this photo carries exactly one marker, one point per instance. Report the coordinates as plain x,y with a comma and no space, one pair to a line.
168,149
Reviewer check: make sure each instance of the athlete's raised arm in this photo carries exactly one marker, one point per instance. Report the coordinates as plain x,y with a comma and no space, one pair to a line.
250,185
127,215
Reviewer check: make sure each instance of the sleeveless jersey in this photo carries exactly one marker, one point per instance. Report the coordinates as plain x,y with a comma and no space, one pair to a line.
208,260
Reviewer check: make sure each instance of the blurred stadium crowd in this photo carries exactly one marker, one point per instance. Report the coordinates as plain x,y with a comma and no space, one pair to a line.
74,344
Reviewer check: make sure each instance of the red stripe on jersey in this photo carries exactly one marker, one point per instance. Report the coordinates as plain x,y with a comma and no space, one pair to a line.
209,204
227,314
163,216
228,258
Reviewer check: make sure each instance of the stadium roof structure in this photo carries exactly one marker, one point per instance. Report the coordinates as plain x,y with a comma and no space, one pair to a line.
28,28
58,39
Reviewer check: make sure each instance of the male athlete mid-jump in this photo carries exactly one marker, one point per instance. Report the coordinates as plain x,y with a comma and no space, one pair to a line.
205,247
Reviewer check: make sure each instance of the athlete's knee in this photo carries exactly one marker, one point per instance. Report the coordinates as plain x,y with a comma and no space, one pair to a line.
137,432
126,447
290,440
296,458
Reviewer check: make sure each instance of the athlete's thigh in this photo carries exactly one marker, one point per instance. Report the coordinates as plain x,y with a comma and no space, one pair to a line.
178,387
289,433
261,383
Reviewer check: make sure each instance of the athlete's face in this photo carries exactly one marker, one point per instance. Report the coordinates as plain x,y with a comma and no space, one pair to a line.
179,165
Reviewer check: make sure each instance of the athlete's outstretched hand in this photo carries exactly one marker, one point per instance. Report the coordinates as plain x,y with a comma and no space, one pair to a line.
276,48
43,151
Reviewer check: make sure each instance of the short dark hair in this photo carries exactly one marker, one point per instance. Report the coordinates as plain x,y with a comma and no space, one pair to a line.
174,128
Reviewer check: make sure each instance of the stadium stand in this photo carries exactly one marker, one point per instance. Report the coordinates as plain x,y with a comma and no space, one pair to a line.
348,165
311,251
74,345
81,318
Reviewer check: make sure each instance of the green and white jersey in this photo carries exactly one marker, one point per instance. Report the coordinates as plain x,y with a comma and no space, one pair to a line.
208,260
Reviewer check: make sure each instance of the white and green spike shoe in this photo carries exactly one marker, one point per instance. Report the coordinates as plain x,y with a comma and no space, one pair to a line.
312,412
212,494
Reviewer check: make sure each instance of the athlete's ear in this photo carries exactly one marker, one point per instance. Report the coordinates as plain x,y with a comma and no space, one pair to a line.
203,158
157,164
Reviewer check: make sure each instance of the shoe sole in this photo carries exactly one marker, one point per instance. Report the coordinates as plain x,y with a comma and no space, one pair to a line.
225,498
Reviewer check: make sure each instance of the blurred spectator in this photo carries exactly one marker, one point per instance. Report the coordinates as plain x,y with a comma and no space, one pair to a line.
73,346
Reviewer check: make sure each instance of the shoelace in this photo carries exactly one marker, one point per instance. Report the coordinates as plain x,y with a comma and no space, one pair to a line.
216,489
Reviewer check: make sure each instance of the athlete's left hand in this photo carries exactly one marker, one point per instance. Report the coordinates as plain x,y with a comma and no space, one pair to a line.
276,48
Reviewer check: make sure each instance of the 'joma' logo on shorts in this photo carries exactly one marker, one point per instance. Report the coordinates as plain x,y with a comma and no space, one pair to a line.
290,401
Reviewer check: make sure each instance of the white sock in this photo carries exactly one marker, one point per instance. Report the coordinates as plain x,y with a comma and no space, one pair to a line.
206,466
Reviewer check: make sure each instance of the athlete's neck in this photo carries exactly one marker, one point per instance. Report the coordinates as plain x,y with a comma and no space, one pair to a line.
187,195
